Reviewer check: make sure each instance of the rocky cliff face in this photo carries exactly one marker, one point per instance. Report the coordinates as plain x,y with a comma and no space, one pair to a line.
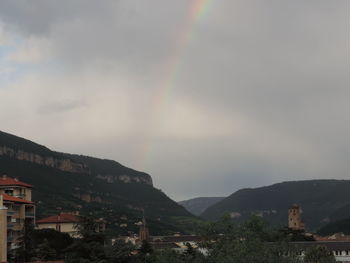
65,165
126,179
69,165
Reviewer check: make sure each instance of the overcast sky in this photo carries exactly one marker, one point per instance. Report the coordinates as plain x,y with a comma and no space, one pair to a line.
245,93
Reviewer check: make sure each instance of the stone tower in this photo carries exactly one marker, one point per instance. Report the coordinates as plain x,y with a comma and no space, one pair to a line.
144,233
294,218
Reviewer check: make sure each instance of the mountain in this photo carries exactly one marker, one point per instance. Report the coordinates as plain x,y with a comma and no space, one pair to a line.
322,201
198,205
341,226
102,188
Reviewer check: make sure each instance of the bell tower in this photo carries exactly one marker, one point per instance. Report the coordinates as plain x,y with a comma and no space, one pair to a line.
294,218
144,232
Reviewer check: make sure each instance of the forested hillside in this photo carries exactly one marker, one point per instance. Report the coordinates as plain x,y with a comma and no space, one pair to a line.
322,201
198,205
103,188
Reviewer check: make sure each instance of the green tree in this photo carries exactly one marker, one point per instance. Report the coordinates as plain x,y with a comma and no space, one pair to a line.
56,243
44,252
319,254
145,252
120,252
90,246
23,251
295,235
250,241
167,256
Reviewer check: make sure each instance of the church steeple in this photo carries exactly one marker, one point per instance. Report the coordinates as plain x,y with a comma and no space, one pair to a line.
144,233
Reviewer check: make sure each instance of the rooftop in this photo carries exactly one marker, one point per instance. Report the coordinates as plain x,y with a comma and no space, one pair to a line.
332,245
10,198
184,238
8,181
61,218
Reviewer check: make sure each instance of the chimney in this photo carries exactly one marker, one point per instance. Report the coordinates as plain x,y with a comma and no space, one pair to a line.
16,179
4,176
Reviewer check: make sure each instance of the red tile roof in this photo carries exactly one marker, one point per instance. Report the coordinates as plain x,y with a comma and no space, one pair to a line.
61,218
8,181
15,199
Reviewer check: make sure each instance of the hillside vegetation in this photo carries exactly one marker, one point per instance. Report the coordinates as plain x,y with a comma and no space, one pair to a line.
340,226
198,205
322,201
103,188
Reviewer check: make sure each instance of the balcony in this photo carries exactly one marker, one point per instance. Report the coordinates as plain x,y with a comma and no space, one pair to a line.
21,196
10,213
30,214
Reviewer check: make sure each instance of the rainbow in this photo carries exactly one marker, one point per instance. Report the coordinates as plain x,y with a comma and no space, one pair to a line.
198,9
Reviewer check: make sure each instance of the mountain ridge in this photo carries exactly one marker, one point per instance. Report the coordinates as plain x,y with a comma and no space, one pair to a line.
100,187
319,199
198,205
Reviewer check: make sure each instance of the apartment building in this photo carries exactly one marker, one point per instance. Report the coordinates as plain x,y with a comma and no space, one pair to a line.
16,209
3,231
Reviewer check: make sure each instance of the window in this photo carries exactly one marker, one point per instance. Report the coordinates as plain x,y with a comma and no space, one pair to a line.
9,192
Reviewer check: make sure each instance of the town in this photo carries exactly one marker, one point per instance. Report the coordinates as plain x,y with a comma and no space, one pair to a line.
17,211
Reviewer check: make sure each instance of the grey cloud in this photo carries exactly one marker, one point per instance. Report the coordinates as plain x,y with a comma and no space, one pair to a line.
42,16
281,66
60,106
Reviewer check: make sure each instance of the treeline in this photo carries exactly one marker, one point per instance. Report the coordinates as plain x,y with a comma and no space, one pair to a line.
222,242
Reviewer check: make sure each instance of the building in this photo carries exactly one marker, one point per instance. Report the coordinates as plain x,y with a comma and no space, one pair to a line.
20,210
340,249
14,187
63,222
66,223
178,243
334,237
3,231
294,218
144,232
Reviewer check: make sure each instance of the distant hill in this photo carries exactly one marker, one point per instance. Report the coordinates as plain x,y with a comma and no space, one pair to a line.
103,188
322,201
341,226
198,205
